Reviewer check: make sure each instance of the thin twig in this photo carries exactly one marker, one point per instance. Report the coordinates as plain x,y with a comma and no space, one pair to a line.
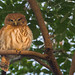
35,58
42,63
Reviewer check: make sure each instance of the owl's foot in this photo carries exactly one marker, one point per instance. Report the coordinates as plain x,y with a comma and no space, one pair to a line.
18,51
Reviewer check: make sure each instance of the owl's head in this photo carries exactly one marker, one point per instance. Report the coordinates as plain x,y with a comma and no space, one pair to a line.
15,19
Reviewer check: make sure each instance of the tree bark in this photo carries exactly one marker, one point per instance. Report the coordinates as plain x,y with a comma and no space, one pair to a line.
72,68
42,63
32,57
25,53
48,45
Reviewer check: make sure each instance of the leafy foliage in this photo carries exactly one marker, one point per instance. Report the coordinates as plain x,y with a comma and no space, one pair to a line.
60,21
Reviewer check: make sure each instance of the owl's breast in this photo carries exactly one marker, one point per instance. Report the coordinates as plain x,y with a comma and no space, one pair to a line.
17,38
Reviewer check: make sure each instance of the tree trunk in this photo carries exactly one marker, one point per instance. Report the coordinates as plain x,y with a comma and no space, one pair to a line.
48,45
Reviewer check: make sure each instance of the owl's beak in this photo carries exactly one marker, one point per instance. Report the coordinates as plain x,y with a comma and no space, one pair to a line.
15,23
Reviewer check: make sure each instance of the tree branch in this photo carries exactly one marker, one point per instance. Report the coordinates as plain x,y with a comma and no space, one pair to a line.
25,53
42,63
41,23
72,68
35,58
48,45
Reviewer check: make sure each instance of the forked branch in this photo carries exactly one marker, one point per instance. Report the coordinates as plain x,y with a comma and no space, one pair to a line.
34,55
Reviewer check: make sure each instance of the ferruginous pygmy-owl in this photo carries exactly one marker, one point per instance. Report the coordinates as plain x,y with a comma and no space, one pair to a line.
15,35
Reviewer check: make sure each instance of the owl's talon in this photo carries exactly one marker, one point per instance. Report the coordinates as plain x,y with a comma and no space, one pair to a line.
18,51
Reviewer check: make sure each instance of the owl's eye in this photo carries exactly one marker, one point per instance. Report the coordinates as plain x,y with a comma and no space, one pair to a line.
10,20
19,19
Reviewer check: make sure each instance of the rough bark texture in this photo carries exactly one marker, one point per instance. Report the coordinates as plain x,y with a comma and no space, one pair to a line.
48,44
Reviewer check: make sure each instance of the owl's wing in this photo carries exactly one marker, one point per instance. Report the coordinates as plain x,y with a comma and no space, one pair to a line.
2,30
4,60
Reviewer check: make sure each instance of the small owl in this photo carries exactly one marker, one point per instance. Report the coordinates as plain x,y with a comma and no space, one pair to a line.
15,35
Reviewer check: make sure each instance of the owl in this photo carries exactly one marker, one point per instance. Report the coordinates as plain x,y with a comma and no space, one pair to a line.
15,35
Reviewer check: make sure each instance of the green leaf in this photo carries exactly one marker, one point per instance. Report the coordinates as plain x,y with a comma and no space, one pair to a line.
2,4
66,46
72,29
38,43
